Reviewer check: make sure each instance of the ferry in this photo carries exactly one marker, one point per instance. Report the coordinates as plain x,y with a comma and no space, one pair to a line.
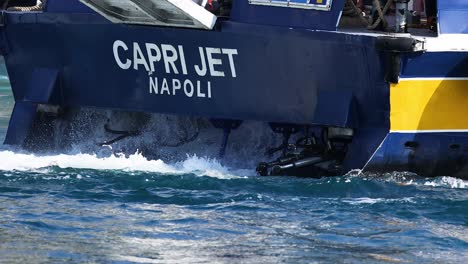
346,84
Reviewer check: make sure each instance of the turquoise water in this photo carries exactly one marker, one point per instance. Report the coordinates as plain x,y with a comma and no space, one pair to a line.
75,208
6,100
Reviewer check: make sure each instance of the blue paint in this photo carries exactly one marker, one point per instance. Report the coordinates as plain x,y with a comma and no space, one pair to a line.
452,4
292,92
42,84
21,122
436,65
423,153
453,16
66,6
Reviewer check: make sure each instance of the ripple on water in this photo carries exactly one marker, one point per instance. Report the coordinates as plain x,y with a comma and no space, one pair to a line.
130,216
87,208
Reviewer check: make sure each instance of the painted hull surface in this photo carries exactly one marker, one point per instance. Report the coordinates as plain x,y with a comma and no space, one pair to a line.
246,72
216,74
428,117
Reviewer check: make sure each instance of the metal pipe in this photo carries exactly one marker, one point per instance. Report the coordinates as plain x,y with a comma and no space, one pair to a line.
401,15
279,169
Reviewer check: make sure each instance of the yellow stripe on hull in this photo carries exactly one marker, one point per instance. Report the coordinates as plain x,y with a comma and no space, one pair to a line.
429,104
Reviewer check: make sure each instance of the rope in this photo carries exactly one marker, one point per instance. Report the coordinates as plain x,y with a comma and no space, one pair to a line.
371,25
382,12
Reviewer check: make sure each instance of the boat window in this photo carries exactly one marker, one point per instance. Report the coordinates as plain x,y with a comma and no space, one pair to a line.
304,4
169,13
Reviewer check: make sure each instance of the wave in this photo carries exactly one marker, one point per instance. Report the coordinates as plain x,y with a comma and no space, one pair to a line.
202,166
409,179
448,182
4,81
443,181
370,201
199,166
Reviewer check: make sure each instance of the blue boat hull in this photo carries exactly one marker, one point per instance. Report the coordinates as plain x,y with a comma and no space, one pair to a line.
437,153
238,72
301,73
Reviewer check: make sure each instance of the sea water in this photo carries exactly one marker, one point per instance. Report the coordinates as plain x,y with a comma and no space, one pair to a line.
82,207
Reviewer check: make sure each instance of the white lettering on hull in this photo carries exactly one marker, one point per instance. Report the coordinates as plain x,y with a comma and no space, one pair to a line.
174,87
212,62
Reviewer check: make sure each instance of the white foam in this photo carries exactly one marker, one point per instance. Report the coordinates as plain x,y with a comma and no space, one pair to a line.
12,161
208,167
408,178
368,200
447,182
4,77
444,182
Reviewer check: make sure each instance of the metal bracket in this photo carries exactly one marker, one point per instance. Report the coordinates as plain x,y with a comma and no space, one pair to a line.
393,46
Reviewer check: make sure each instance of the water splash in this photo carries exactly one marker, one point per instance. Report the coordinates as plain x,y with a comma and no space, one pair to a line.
408,179
448,182
201,166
